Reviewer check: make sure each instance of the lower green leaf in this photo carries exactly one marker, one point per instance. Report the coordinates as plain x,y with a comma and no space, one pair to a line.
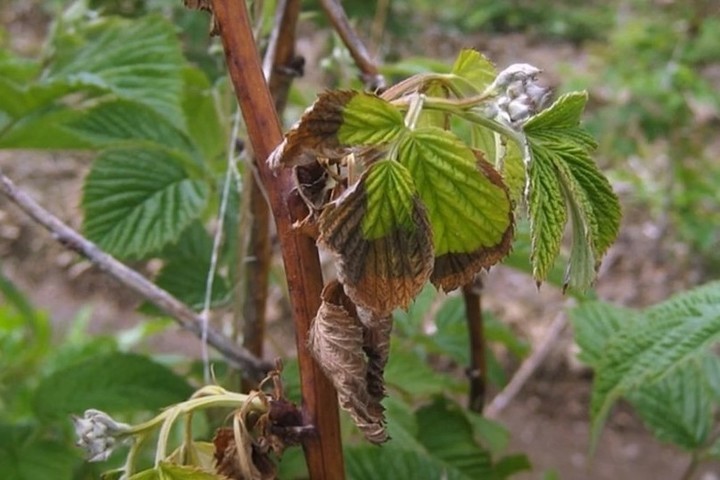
115,382
137,201
447,435
393,463
664,339
678,408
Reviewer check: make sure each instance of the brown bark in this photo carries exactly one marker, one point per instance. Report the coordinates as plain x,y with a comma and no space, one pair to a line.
477,370
323,450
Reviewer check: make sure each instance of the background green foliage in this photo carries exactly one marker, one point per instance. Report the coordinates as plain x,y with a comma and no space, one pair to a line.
96,86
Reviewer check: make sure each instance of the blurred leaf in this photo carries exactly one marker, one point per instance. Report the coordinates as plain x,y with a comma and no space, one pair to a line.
115,382
710,364
446,433
137,201
170,471
138,60
492,434
410,321
677,408
595,324
202,116
512,464
124,123
393,463
187,264
401,425
25,457
668,336
411,375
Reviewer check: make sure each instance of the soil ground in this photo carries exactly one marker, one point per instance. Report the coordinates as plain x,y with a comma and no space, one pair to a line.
548,420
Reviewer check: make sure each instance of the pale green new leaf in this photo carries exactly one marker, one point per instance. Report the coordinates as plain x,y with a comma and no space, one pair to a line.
136,201
665,338
677,408
139,59
561,164
369,120
595,323
546,209
467,210
128,123
390,193
473,67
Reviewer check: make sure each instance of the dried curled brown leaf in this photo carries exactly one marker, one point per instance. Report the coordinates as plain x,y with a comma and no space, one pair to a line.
315,134
338,343
384,273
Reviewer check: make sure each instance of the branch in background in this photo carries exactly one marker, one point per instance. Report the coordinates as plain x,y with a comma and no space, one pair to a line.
280,67
370,74
188,319
527,368
477,370
323,451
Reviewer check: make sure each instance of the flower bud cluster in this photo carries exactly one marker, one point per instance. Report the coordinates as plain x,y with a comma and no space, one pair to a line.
98,434
520,95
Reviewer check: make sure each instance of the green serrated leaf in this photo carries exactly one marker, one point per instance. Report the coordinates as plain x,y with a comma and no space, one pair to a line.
711,373
467,210
137,201
562,172
546,209
137,59
448,436
390,191
401,425
475,68
664,339
115,382
467,204
677,408
562,118
186,268
369,120
595,323
381,233
362,463
125,123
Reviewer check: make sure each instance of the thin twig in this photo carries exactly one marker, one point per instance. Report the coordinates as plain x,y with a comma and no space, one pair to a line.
187,319
217,243
477,370
528,367
370,74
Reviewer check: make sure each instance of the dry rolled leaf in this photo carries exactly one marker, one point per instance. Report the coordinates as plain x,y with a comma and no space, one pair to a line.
315,134
455,269
376,345
337,342
384,273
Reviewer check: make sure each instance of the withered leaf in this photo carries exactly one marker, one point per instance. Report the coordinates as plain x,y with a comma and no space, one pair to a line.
315,134
380,231
336,340
229,464
455,269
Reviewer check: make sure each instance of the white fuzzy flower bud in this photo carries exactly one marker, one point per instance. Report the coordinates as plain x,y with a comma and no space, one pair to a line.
98,434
